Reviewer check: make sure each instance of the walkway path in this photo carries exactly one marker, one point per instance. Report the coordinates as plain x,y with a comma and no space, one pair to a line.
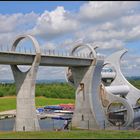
13,112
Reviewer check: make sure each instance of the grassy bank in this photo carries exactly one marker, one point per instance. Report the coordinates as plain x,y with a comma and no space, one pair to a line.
9,103
77,134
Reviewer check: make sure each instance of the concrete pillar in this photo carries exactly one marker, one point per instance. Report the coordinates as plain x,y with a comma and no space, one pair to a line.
26,118
88,113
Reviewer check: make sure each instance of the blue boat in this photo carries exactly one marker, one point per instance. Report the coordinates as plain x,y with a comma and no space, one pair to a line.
40,110
61,118
53,107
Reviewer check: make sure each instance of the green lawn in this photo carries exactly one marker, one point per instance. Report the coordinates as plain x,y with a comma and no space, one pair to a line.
77,134
9,103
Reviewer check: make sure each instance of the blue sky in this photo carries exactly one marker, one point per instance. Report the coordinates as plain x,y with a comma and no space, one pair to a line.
58,24
37,6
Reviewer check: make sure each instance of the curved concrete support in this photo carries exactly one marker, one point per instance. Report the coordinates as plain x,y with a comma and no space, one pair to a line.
108,75
88,112
95,103
130,111
26,118
114,59
118,90
91,48
69,76
107,98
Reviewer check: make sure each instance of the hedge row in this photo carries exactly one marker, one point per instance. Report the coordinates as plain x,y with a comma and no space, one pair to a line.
51,90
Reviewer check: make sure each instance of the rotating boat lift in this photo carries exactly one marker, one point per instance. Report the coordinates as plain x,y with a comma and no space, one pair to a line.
103,99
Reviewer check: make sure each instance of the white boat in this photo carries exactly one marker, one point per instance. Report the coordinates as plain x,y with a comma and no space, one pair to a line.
63,111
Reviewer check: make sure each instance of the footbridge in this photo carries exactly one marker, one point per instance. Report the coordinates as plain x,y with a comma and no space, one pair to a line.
16,58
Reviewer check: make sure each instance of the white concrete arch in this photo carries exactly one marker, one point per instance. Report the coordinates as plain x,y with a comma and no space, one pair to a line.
35,45
26,118
91,48
114,60
130,112
88,112
68,74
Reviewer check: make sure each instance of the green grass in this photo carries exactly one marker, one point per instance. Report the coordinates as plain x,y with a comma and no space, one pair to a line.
41,101
77,134
9,103
135,83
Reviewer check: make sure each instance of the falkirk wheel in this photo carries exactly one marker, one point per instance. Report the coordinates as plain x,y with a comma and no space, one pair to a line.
106,101
104,97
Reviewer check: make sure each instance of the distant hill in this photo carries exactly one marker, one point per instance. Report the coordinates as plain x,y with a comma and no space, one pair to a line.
133,78
38,81
52,81
62,80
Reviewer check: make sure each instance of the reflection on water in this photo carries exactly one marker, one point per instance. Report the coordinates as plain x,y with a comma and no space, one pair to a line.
7,124
50,124
45,124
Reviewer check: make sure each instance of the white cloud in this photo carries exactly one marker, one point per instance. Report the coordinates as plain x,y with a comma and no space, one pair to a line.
130,65
48,46
14,22
110,44
51,73
134,34
131,20
107,21
54,23
6,72
12,25
101,35
100,11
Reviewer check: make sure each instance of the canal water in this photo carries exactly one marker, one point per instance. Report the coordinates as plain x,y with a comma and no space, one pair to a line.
45,124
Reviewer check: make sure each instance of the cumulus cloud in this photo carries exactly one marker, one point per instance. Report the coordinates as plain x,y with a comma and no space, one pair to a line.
111,44
51,73
6,72
108,22
12,25
102,11
54,23
48,46
130,65
101,35
16,22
